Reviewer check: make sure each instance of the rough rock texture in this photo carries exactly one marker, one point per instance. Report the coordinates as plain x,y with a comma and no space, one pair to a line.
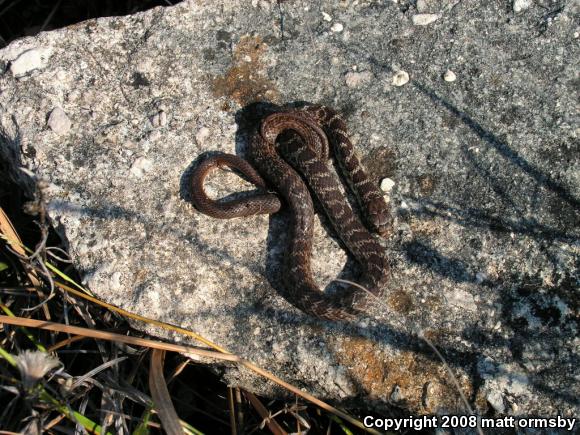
114,112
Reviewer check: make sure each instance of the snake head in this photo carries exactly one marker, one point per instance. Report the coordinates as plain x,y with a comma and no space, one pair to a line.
380,217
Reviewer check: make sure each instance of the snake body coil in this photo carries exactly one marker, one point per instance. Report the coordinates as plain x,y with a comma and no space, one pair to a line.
287,148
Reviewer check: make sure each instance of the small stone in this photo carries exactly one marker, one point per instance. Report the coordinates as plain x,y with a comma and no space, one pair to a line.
462,300
356,79
421,6
140,166
326,17
424,19
59,122
449,76
427,396
400,78
116,281
520,5
396,394
337,27
30,60
495,399
159,119
201,135
387,185
163,118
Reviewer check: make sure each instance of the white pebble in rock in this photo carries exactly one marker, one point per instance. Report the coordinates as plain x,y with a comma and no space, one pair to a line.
140,166
428,393
30,60
356,79
520,5
449,76
387,185
59,122
422,6
495,399
163,118
201,135
462,300
337,27
397,394
424,19
400,78
116,281
159,119
326,17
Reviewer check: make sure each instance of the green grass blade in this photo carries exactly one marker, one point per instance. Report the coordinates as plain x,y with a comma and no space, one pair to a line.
28,334
190,429
142,429
74,416
7,356
341,424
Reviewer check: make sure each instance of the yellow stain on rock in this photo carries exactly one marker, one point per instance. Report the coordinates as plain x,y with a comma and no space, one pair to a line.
400,301
246,81
423,383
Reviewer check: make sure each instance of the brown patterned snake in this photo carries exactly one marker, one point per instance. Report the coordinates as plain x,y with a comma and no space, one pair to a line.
294,143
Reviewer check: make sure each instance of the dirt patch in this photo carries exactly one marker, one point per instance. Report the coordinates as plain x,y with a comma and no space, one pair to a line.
427,184
401,301
404,378
246,80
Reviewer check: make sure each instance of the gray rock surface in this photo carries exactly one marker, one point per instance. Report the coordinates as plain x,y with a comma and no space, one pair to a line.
486,194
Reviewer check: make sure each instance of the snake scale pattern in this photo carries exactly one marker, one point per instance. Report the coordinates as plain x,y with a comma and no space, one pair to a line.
289,150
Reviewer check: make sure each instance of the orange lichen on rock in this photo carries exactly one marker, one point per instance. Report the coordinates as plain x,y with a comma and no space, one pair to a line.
403,378
246,81
424,227
427,184
400,301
